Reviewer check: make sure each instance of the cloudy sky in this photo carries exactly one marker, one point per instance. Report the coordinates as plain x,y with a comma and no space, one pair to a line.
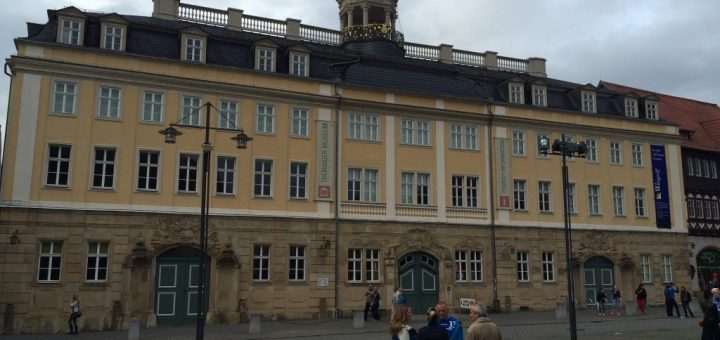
667,46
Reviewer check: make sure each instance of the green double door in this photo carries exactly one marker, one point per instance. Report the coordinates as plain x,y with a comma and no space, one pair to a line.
176,287
418,274
598,273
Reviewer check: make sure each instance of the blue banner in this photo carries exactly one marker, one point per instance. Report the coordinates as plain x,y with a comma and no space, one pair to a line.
660,186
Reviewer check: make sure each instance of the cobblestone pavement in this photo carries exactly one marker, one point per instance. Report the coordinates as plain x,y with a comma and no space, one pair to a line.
514,326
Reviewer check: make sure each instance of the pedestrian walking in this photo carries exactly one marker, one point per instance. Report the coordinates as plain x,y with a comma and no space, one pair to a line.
641,297
670,300
74,315
433,331
601,299
709,323
375,305
685,298
368,301
617,301
400,328
482,328
451,324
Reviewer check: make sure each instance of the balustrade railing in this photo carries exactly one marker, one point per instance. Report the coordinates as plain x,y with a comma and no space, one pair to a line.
467,214
215,17
366,209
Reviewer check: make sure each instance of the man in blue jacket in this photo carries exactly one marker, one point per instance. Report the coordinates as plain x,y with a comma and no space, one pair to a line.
670,301
453,325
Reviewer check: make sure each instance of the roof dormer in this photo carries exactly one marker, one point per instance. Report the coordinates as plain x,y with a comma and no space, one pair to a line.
630,102
265,55
113,32
585,98
71,26
651,107
194,45
299,59
514,90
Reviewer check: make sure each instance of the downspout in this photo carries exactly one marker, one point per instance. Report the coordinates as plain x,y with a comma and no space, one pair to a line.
491,116
336,215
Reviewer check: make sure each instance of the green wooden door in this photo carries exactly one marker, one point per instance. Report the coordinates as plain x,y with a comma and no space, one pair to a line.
598,273
419,280
176,286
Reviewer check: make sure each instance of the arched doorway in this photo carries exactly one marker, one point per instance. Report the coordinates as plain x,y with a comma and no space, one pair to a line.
708,267
418,273
176,285
598,273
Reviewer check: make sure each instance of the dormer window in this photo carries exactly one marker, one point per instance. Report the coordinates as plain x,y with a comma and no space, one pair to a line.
631,107
299,64
113,37
70,31
265,59
193,49
588,101
194,45
539,94
651,110
516,93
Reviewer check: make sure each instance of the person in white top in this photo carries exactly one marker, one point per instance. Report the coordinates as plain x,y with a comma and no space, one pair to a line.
74,314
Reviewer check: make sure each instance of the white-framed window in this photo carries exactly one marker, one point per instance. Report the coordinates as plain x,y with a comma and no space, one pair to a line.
631,107
698,167
50,261
519,194
615,152
706,168
519,143
592,150
414,188
544,196
667,268
465,191
363,127
104,168
265,118
64,97
572,198
464,137
645,268
193,49
300,122
539,95
713,170
299,64
618,194
113,37
228,114
548,266
716,209
148,170
593,199
637,154
153,103
296,265
516,93
266,59
588,101
414,132
261,262
538,136
263,178
468,266
640,202
109,102
362,185
699,213
97,262
690,167
691,208
70,31
225,175
187,173
58,165
707,209
523,266
190,110
298,180
651,110
355,262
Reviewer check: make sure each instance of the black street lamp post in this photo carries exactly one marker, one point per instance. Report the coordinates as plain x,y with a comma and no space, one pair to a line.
241,139
566,149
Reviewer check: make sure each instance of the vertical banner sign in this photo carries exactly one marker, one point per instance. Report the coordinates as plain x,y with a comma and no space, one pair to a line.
502,153
660,186
325,144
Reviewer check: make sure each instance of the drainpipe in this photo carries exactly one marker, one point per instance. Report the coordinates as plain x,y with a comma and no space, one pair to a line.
496,301
336,217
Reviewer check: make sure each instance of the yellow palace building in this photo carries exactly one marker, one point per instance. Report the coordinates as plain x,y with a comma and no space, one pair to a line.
373,161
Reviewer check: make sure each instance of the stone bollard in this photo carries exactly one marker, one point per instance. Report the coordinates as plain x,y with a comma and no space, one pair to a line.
134,329
358,318
561,310
631,308
255,319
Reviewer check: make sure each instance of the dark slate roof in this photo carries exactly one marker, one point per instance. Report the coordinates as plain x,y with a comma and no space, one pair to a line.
159,38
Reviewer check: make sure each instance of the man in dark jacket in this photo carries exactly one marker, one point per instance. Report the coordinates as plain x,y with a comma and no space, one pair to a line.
670,301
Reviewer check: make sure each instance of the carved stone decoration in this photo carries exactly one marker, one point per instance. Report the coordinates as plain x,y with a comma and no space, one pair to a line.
139,256
182,230
469,244
227,258
418,240
592,244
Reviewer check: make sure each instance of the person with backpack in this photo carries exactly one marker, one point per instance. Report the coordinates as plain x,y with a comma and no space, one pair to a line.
400,328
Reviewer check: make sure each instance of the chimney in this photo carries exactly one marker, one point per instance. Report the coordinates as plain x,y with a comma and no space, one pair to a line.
166,9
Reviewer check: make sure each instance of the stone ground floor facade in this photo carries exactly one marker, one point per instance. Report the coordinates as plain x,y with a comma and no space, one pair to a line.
142,265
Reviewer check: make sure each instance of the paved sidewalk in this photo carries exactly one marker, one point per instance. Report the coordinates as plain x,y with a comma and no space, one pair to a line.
514,326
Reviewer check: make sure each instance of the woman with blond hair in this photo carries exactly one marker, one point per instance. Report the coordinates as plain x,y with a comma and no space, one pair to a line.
400,328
